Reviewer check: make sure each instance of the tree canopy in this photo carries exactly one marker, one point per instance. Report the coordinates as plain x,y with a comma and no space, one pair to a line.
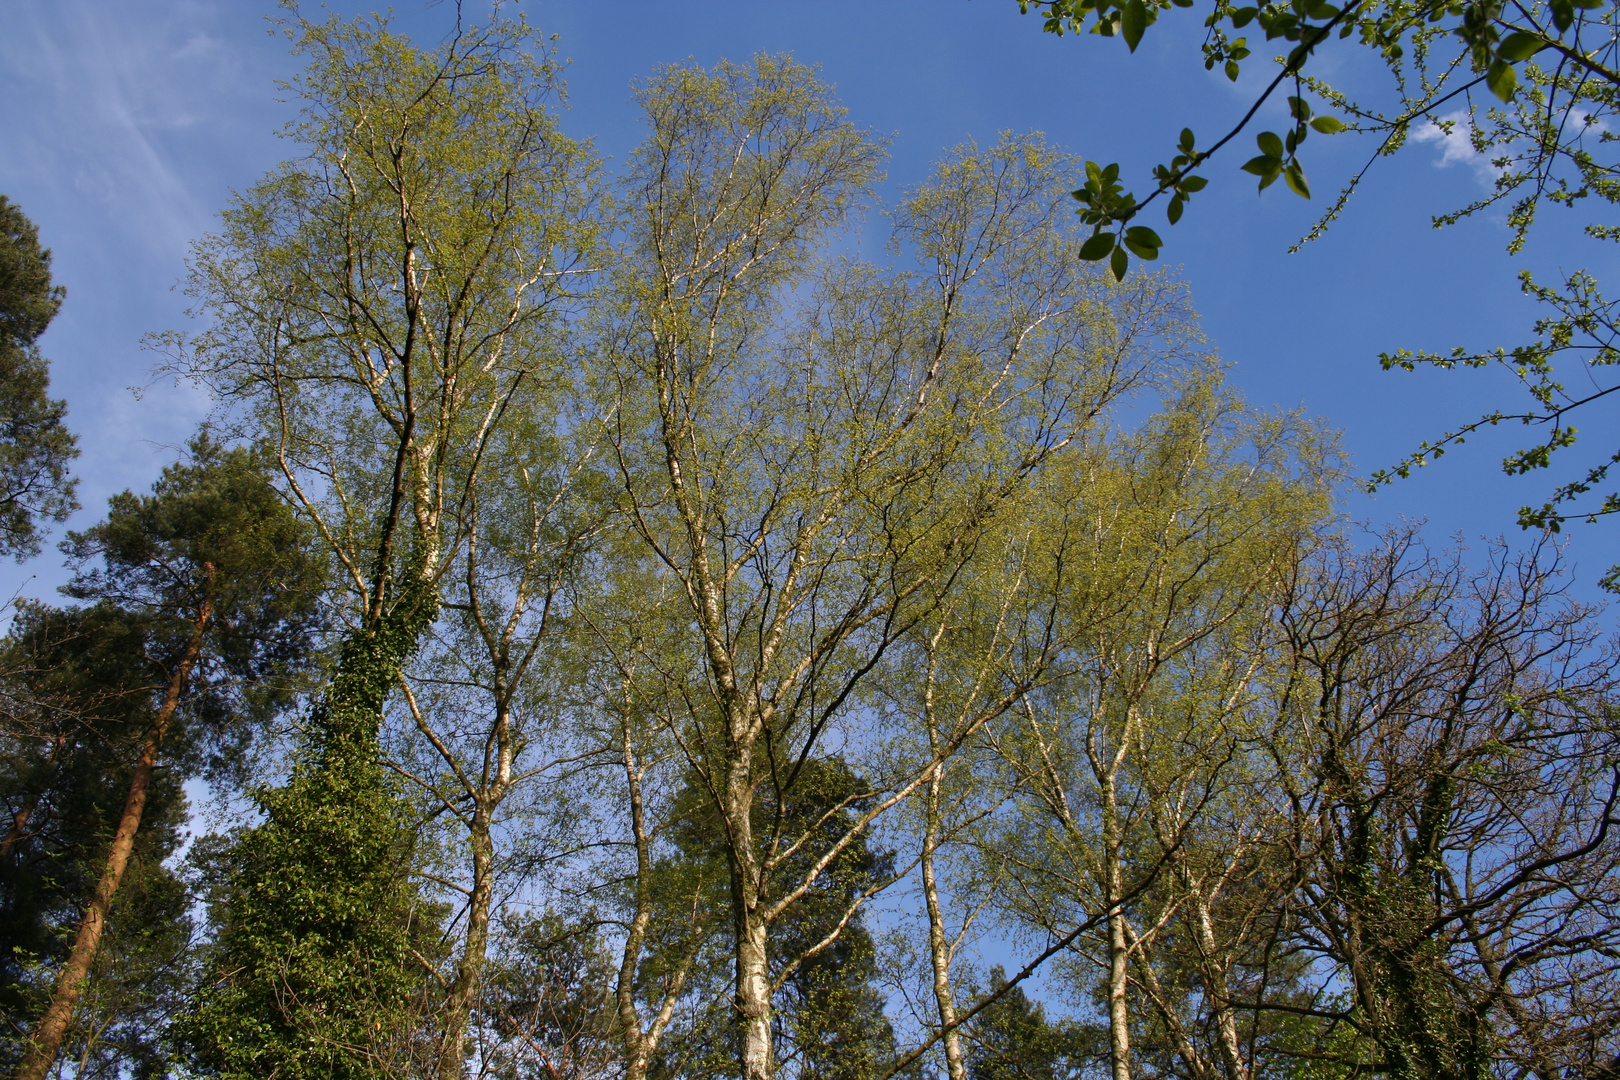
1533,86
35,446
621,629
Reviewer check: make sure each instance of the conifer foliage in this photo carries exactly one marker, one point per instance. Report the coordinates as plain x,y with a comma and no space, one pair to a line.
35,446
212,588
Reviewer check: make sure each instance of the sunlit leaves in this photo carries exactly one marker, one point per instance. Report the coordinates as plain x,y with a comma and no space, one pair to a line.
1143,242
1520,46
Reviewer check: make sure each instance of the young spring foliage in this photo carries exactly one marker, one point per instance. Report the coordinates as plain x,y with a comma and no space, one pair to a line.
379,307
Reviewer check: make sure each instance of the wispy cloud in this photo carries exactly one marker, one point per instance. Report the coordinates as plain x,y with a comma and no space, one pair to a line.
125,124
107,89
1452,134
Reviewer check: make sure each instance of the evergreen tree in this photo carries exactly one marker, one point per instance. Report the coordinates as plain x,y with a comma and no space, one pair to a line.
832,1014
1011,1039
74,685
35,446
212,575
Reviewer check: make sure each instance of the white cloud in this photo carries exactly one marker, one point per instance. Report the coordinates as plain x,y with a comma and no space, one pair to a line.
1456,145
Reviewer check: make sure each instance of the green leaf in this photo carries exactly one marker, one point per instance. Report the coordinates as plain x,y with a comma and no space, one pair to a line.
1190,184
1328,125
1097,247
1299,108
1133,20
1232,70
1502,79
1186,143
1563,14
1118,263
1173,211
1295,178
1142,250
1243,16
1270,145
1520,46
1263,166
1141,234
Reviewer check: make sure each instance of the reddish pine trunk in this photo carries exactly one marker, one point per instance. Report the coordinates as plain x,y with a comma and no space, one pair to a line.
46,1040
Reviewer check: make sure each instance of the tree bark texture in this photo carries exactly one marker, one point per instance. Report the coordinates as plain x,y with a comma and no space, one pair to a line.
939,947
46,1040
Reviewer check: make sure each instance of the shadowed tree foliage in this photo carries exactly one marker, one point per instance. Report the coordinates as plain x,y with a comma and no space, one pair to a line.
546,1004
1456,800
831,1013
76,703
212,579
35,446
1012,1040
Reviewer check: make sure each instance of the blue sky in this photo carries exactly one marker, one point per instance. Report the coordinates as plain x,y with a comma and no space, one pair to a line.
126,124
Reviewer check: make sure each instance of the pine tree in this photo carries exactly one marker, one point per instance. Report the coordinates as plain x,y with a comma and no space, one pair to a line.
73,684
833,1013
35,446
1011,1039
209,582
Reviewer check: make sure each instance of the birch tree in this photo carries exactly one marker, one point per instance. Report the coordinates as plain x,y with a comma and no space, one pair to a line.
1192,527
378,308
813,451
486,739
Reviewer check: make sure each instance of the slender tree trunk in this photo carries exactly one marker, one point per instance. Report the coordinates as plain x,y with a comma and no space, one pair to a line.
1216,986
1119,1033
458,1006
938,943
1197,1067
640,1044
637,1054
753,989
46,1041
